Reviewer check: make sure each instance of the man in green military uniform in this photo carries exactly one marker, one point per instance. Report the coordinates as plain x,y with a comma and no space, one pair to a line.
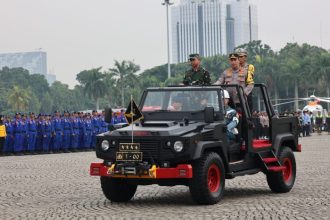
197,75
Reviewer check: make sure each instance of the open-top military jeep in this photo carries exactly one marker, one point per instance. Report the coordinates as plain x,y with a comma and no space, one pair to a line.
182,140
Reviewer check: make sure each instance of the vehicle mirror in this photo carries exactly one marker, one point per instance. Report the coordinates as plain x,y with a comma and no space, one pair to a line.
209,114
108,115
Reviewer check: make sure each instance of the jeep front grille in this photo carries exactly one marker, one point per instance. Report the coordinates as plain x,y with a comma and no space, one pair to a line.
150,148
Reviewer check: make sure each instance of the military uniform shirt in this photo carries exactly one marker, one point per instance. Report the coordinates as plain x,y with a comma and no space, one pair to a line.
247,83
197,77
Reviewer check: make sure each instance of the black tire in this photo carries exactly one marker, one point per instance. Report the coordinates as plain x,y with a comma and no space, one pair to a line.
282,182
204,187
117,190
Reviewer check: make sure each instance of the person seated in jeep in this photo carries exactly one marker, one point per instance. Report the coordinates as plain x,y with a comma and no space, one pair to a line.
204,103
177,104
231,118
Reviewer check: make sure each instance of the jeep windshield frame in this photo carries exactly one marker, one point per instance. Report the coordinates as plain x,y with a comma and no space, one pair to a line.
168,95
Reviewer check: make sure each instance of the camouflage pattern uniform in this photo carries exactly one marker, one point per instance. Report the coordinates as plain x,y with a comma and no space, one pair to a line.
198,76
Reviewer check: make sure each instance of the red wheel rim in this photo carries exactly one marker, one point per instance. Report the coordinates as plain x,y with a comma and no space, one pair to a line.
213,178
287,172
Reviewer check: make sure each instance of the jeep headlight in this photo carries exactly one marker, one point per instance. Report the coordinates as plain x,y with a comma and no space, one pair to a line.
105,145
178,146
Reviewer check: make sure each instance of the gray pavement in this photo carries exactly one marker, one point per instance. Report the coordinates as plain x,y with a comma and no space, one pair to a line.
58,186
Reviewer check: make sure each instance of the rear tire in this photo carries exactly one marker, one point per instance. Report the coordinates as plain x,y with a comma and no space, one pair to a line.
282,182
208,182
117,190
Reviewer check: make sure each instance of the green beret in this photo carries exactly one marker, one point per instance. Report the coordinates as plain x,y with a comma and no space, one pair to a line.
194,55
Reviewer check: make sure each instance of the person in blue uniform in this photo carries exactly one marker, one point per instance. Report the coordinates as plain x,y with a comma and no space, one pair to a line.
231,118
47,131
58,132
121,117
25,133
9,142
88,130
40,121
96,128
114,119
18,134
31,133
67,132
75,132
81,131
104,125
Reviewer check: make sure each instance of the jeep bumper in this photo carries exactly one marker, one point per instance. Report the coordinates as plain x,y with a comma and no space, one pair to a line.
182,171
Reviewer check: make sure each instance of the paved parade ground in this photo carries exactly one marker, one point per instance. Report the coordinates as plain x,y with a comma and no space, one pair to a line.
58,186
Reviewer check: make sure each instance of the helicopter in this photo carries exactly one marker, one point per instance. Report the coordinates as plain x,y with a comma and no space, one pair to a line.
313,103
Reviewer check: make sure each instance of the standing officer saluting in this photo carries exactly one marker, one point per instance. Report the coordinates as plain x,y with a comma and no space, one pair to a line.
236,75
197,75
249,68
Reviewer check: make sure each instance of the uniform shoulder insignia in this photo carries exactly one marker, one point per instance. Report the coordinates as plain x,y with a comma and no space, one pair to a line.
229,72
251,67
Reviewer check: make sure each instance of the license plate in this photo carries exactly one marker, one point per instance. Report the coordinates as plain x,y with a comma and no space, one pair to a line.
129,147
129,156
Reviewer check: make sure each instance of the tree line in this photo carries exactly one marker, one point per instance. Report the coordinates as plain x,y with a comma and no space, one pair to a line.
294,71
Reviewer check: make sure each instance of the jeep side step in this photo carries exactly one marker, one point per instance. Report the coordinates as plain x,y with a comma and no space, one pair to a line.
270,161
276,168
259,145
242,173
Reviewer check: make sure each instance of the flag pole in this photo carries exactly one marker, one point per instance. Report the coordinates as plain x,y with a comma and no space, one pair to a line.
132,112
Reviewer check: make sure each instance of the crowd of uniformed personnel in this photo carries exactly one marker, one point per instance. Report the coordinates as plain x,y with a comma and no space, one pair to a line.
69,132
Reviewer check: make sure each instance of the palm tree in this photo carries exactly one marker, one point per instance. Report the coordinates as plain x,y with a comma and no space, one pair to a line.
19,98
125,71
93,83
112,89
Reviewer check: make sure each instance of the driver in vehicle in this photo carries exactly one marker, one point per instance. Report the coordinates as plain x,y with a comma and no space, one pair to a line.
204,103
231,118
177,104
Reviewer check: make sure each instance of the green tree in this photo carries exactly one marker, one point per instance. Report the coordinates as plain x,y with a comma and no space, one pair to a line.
60,93
93,83
112,89
46,104
126,73
38,85
19,98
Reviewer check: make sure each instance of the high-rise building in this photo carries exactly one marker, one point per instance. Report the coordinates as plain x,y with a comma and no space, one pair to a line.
211,27
34,62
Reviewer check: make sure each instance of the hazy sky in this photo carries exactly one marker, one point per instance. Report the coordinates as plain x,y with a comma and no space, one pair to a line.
82,34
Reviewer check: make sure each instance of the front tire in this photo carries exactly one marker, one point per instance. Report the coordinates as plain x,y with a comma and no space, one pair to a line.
208,182
282,182
117,190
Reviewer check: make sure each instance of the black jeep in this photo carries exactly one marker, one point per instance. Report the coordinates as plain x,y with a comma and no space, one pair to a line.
182,140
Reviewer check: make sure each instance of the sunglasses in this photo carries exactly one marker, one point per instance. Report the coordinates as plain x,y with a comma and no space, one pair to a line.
192,59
